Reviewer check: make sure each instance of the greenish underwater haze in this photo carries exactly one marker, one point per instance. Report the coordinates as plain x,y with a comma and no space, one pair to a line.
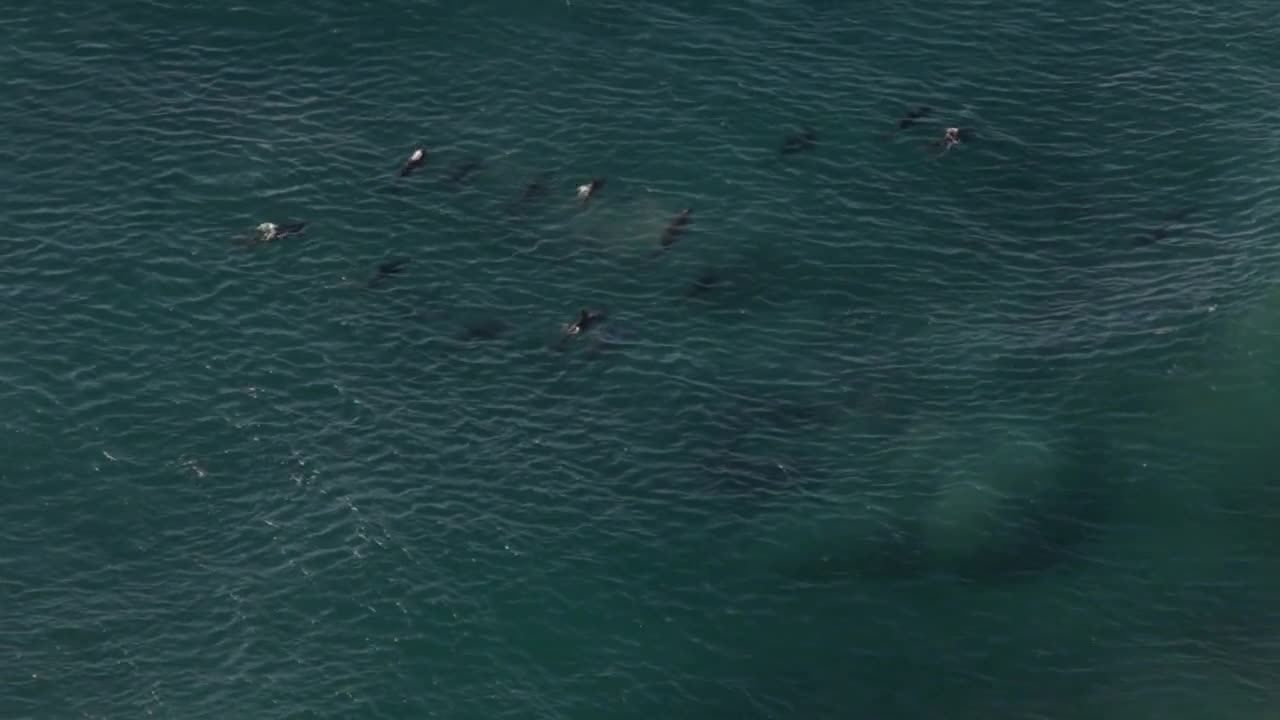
991,435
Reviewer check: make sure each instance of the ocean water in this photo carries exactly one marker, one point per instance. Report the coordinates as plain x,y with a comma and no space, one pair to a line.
960,437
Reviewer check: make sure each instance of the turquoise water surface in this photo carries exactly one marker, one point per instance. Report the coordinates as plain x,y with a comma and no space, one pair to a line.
986,436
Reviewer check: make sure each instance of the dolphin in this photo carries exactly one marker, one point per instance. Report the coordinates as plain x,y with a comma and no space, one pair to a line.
706,281
416,160
386,269
676,227
462,173
799,142
588,190
912,116
268,231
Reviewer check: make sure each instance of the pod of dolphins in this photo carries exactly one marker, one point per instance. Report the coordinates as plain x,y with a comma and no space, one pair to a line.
1048,534
802,141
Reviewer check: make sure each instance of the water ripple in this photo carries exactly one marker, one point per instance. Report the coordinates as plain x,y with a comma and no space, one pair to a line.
964,423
